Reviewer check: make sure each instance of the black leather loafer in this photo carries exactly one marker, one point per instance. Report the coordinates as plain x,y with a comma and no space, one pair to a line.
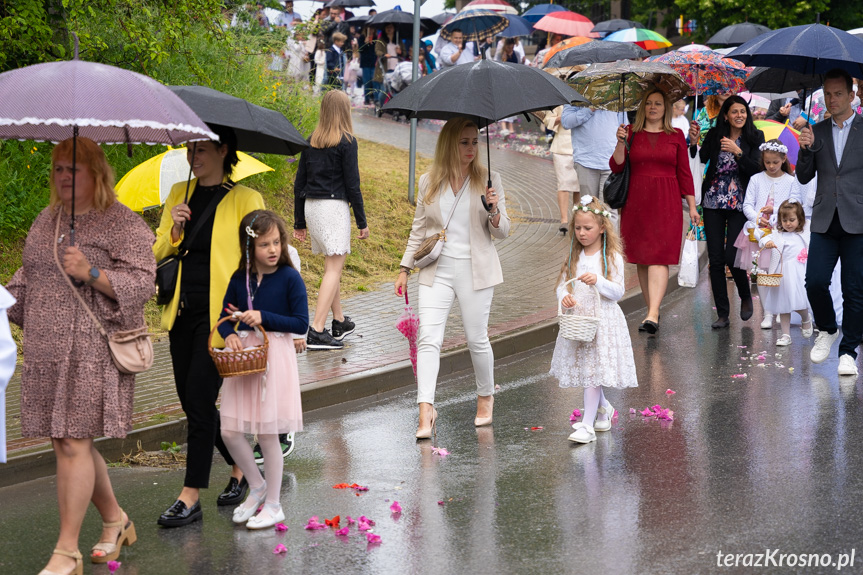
178,514
720,323
650,326
234,493
746,308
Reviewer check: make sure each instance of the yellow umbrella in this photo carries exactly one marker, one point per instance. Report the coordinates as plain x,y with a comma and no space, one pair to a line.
147,185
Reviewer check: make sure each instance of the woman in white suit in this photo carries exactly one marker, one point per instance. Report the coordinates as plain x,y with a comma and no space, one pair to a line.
467,269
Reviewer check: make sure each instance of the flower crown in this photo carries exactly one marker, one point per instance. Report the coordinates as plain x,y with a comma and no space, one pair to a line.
584,206
773,147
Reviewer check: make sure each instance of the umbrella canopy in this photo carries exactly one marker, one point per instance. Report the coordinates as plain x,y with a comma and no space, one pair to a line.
498,6
443,18
476,25
108,105
536,13
706,72
565,23
258,129
358,20
620,86
810,49
778,81
565,45
647,39
694,48
409,325
610,26
485,90
595,52
784,133
349,3
738,34
518,26
403,22
148,184
756,100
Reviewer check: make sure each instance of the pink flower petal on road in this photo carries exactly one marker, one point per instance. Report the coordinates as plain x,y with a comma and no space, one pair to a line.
372,538
113,566
670,392
280,549
314,524
441,502
739,376
647,412
350,520
364,519
343,532
280,527
576,413
631,410
440,451
364,526
395,507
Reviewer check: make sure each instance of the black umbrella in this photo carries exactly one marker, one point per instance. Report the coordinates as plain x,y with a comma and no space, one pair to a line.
738,34
443,18
358,20
779,81
348,3
258,129
609,26
596,52
484,90
403,22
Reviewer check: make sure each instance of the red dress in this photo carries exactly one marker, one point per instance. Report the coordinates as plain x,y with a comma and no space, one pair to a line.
651,223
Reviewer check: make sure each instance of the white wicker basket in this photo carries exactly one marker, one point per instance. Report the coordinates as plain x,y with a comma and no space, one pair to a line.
578,327
770,280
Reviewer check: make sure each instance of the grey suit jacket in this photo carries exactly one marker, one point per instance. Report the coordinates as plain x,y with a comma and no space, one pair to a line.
840,187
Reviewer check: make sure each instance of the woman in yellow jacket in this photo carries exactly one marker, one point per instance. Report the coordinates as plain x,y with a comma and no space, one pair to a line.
203,279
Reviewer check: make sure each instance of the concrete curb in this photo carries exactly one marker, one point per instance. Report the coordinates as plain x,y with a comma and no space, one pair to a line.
320,394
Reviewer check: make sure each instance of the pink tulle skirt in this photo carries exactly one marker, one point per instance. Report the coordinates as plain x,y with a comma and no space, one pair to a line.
265,403
746,252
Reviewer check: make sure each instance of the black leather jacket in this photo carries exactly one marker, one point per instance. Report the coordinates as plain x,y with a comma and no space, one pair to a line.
329,174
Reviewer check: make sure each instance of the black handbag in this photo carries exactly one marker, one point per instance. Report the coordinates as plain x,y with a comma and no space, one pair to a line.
168,269
616,187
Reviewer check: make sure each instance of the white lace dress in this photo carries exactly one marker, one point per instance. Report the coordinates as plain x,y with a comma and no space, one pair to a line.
608,359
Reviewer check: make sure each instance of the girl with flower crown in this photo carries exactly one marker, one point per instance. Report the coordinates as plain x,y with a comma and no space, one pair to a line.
267,291
595,262
766,190
791,240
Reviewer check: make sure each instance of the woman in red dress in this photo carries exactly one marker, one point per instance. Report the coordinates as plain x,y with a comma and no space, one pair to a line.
650,223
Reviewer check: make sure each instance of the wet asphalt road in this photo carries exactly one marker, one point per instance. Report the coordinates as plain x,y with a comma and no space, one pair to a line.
770,461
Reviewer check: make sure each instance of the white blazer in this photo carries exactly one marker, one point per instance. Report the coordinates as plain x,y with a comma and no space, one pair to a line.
428,221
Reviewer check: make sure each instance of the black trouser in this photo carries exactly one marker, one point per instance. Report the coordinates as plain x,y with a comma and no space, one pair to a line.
198,384
824,251
721,228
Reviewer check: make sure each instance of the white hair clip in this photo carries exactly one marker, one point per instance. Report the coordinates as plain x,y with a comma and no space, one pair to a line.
586,199
773,147
250,232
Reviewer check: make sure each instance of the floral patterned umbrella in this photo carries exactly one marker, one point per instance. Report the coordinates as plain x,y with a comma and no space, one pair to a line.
620,86
707,72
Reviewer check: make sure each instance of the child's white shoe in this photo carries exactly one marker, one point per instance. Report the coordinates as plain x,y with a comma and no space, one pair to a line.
268,517
767,322
807,331
600,425
583,433
245,510
784,340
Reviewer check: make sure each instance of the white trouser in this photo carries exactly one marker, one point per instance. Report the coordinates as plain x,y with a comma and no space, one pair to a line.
453,279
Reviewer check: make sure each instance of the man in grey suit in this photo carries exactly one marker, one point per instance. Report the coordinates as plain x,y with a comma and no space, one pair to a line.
834,149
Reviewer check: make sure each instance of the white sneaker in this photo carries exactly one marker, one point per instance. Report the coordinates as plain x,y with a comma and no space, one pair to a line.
767,322
847,365
807,331
583,433
822,346
784,340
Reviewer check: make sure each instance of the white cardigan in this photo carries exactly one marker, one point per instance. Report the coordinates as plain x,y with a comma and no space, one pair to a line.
428,221
758,191
8,357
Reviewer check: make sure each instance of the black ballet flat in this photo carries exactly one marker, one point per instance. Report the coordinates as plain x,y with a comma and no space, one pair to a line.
720,323
650,326
641,327
563,230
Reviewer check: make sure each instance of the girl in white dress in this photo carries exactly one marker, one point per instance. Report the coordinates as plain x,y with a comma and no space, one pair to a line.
765,191
792,240
596,259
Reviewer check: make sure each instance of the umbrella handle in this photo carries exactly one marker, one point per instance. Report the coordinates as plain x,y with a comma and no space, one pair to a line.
406,296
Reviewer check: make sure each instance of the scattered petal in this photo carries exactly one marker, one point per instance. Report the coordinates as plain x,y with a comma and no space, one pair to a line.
760,358
647,412
334,522
364,526
395,507
441,502
350,520
540,428
741,346
364,519
437,451
280,527
790,370
280,549
372,538
576,413
739,376
314,524
670,392
113,565
631,410
497,387
343,532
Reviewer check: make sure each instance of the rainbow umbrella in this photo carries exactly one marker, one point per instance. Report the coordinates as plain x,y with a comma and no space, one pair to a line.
147,185
647,39
784,133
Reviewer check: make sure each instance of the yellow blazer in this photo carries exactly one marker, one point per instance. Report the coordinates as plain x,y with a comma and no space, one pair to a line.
225,245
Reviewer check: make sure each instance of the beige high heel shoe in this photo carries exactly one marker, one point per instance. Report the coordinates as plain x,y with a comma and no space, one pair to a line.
110,551
481,421
426,433
79,563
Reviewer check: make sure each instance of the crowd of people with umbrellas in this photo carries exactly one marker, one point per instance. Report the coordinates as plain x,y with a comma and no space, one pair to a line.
89,246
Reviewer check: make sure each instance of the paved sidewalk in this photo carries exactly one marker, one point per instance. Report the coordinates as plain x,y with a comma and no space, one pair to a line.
531,258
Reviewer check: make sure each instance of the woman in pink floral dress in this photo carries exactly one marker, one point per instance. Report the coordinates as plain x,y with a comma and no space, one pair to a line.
70,389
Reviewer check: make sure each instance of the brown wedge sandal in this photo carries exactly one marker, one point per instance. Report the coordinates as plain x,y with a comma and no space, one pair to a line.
79,563
110,551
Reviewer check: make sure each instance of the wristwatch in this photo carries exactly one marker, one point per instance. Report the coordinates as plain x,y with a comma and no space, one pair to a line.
94,275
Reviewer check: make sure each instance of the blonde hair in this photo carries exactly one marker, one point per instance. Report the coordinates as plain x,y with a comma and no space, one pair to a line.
612,242
334,123
87,153
641,114
447,161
